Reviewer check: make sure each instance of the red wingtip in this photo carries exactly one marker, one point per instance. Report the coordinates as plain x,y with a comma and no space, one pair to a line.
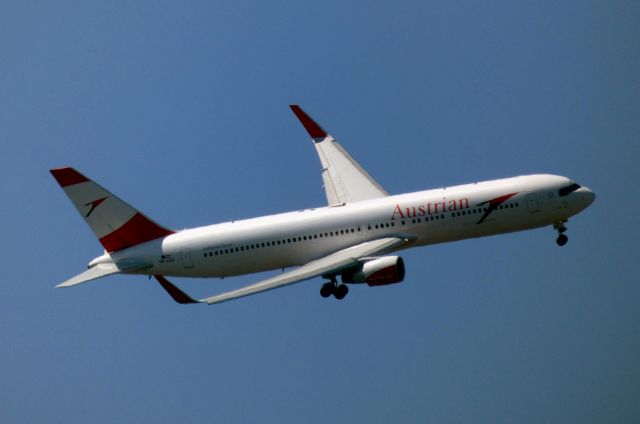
314,130
177,294
68,176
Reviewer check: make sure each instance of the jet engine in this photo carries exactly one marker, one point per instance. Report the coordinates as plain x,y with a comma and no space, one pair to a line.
377,271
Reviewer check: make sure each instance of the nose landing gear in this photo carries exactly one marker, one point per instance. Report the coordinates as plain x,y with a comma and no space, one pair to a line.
332,288
562,238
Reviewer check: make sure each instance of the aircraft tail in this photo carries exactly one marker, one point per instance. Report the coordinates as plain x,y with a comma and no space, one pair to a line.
116,224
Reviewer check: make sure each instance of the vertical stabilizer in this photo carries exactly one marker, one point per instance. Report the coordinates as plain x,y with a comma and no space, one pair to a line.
117,224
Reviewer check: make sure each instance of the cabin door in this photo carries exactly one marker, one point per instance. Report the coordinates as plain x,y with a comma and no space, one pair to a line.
532,202
185,257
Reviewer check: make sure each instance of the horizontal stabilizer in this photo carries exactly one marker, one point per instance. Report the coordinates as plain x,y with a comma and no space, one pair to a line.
98,271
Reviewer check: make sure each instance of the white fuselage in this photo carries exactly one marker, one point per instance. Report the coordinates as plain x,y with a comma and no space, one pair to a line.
295,238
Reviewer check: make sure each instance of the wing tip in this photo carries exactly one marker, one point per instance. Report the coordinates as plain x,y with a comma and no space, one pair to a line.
315,131
178,295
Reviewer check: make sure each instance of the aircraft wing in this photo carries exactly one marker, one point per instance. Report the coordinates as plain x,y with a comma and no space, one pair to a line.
328,265
345,181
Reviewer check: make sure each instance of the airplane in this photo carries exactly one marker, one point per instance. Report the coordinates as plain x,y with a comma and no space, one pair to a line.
350,239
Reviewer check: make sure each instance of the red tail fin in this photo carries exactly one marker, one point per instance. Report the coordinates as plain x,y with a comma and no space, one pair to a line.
117,224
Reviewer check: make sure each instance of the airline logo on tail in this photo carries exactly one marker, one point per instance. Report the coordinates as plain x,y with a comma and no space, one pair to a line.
116,224
94,205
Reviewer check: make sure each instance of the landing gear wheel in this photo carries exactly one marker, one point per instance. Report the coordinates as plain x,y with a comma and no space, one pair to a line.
327,289
562,240
341,291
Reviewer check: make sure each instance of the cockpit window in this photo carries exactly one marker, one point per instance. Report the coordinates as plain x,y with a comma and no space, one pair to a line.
565,191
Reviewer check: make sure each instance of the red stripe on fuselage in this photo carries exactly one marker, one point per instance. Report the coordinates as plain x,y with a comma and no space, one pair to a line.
137,230
493,205
498,200
68,176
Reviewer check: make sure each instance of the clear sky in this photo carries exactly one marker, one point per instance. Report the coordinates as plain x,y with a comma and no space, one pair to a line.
182,111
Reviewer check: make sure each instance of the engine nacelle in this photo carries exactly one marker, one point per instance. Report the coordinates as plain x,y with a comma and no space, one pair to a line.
377,272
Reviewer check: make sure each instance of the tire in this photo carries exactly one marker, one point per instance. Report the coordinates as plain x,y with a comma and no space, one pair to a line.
326,290
341,291
562,240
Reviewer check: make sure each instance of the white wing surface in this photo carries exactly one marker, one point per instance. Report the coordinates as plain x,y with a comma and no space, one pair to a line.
345,181
98,271
328,265
104,269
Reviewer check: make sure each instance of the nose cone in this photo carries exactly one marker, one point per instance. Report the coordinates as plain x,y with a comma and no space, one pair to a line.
586,196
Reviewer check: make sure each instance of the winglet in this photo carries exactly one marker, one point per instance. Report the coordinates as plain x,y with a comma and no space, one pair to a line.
177,294
315,131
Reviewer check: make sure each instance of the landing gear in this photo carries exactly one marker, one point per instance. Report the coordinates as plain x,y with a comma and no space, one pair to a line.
327,289
332,288
562,238
341,291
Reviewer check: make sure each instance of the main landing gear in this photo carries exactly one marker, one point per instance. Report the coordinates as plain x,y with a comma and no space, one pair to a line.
332,288
562,238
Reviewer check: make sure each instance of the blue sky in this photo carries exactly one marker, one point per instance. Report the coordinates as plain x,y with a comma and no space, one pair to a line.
182,111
